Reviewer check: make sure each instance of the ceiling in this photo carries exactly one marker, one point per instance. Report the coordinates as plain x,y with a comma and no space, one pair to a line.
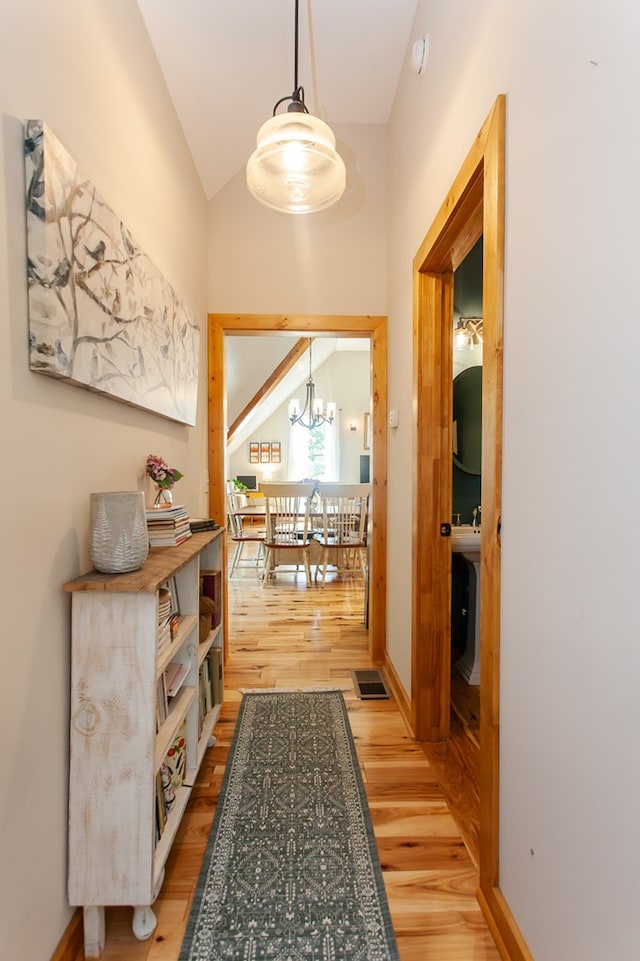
227,62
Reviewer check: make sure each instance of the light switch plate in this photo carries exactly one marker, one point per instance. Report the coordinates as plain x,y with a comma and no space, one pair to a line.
393,418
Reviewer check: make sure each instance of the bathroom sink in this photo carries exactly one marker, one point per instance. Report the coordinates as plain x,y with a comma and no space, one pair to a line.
465,539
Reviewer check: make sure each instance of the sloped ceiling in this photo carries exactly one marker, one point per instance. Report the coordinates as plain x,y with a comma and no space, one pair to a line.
249,361
227,62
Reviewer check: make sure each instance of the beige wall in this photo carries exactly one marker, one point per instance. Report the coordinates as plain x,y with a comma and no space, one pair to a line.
88,71
570,658
334,262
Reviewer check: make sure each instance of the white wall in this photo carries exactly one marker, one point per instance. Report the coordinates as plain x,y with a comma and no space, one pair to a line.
88,71
334,262
570,658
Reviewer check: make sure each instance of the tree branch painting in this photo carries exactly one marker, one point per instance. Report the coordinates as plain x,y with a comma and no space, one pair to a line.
101,316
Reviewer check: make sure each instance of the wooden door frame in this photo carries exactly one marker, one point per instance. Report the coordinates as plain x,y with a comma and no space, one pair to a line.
473,208
375,329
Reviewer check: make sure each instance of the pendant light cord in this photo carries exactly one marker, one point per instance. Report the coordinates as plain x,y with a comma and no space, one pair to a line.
297,97
295,55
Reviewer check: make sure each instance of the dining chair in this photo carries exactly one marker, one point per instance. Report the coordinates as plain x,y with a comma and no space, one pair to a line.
288,535
241,534
345,509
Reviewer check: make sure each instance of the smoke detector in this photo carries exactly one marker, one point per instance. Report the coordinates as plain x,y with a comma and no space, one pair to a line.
420,55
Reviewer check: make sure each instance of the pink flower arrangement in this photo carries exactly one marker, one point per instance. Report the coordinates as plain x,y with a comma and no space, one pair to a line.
162,475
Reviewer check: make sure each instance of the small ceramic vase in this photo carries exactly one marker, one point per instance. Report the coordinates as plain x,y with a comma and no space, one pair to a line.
118,537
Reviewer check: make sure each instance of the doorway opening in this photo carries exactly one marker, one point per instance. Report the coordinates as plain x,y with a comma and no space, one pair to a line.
372,327
473,208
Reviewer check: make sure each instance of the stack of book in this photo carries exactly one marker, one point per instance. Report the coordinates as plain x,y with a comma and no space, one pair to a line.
203,524
168,526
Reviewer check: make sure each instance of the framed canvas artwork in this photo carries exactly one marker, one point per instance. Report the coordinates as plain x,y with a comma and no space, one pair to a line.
101,315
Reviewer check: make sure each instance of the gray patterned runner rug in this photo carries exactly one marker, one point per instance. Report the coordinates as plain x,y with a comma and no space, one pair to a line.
291,871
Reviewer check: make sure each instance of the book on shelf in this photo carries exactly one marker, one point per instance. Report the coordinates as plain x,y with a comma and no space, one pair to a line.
170,778
160,513
164,613
161,810
216,673
211,586
162,701
169,541
202,707
168,538
169,526
205,687
176,759
164,637
169,530
203,524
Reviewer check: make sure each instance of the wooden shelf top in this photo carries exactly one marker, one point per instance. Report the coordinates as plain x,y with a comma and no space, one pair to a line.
161,564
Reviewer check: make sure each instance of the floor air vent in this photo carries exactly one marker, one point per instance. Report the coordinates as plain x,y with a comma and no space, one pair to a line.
369,684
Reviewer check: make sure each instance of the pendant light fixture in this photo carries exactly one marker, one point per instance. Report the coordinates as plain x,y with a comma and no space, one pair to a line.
313,413
295,168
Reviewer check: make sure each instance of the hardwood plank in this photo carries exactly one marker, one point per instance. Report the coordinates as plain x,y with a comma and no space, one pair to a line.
315,638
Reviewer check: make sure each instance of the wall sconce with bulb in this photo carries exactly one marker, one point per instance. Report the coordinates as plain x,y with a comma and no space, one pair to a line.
353,426
468,333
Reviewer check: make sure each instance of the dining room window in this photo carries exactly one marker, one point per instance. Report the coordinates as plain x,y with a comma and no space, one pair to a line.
316,452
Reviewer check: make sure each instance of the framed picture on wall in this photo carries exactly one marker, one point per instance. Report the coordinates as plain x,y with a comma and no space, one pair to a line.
254,452
265,452
275,452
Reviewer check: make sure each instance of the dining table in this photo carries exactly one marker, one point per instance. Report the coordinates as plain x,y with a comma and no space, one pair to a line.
251,511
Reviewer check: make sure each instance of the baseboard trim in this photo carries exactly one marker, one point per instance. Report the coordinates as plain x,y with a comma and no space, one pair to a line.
400,695
71,946
503,926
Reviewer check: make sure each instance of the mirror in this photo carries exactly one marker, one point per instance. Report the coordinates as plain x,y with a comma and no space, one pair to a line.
467,420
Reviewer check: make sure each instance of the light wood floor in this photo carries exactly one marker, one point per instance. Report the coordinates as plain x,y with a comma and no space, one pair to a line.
287,635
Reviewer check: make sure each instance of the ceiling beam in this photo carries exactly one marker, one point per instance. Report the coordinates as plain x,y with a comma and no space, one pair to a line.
271,382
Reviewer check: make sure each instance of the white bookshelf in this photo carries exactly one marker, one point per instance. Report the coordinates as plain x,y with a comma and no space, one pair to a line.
117,744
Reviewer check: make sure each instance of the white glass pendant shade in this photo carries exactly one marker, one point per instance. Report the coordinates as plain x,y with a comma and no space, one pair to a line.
295,168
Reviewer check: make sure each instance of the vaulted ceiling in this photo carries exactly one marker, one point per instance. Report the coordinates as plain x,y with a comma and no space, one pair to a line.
249,362
227,62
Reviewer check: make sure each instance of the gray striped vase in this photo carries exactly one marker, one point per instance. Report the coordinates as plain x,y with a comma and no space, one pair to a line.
118,538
